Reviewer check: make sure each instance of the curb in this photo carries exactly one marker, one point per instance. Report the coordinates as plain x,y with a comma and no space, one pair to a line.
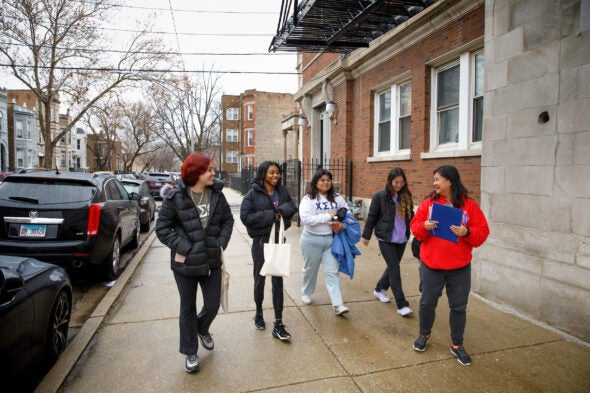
54,379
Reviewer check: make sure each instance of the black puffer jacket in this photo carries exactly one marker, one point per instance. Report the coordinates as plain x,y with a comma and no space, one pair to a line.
179,228
257,212
381,217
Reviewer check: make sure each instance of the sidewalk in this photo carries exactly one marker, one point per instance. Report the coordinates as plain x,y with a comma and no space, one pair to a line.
133,338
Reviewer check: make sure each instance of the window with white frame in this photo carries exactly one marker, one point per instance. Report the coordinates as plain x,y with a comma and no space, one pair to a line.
28,129
478,97
250,161
250,138
19,129
393,112
231,157
78,144
457,103
231,114
62,158
231,135
250,112
20,158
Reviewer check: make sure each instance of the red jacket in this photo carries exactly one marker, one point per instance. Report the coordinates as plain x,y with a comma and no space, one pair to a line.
440,254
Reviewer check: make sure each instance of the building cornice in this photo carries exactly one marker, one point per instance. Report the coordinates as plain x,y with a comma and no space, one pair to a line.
389,45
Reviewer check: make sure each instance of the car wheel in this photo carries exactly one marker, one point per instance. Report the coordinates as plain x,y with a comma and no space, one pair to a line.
145,226
112,264
136,236
57,329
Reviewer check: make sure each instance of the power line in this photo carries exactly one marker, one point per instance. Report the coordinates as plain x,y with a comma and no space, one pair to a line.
90,50
147,71
176,33
193,11
188,34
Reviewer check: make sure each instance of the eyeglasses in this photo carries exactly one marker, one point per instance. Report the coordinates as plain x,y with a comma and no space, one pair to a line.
399,183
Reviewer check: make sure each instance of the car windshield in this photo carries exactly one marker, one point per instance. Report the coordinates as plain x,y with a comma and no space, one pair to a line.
132,187
46,191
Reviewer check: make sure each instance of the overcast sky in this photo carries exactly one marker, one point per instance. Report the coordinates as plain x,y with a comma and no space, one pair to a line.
215,27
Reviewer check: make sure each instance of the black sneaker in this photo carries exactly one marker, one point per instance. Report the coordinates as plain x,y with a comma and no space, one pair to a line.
192,363
280,332
462,355
259,322
420,343
207,341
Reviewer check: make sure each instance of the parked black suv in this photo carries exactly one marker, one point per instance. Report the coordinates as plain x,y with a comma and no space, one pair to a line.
70,219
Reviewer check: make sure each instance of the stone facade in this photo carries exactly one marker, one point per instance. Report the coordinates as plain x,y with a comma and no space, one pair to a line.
536,162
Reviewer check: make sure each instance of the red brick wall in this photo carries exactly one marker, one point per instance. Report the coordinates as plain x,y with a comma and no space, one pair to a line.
352,126
317,65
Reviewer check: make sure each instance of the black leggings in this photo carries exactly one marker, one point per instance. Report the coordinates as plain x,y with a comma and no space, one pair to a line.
458,286
392,253
190,322
259,281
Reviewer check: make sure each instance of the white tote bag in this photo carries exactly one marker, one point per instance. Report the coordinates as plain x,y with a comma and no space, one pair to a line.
277,256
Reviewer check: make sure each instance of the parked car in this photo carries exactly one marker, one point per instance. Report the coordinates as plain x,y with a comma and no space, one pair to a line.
156,180
147,202
71,219
35,309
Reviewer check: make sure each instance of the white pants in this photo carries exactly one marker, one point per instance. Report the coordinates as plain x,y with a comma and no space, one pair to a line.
317,249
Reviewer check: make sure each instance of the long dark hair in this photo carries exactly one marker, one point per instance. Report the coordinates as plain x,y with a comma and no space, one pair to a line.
404,194
263,168
458,190
312,187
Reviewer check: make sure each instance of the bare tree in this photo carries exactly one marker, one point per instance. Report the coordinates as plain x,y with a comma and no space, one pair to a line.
187,113
104,120
137,133
57,50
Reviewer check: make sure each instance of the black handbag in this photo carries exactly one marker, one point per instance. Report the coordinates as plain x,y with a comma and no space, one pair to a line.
416,248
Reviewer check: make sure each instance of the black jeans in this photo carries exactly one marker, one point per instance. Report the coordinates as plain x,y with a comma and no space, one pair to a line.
392,253
458,286
190,323
259,281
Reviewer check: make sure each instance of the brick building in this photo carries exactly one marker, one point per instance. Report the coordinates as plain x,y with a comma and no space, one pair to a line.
412,99
252,129
497,88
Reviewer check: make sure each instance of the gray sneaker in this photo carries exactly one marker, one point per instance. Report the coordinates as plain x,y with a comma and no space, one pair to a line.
207,341
192,363
462,355
420,343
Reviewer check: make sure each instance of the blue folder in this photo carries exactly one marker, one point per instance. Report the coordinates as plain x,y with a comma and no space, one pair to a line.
446,216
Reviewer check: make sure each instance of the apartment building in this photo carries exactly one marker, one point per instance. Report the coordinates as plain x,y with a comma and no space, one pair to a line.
252,129
498,89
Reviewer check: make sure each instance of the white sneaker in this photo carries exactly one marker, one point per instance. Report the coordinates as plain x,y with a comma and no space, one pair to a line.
404,311
306,299
382,296
340,310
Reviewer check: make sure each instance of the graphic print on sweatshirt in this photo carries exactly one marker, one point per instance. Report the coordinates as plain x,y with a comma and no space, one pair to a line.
325,206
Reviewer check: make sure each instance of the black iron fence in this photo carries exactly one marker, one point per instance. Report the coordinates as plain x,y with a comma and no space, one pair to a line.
297,175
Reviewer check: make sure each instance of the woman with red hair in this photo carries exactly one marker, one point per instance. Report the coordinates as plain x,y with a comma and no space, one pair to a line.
195,222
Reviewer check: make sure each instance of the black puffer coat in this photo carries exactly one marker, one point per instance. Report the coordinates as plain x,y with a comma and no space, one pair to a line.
179,228
257,212
381,217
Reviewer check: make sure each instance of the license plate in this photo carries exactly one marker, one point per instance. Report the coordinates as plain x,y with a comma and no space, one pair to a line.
27,230
158,183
